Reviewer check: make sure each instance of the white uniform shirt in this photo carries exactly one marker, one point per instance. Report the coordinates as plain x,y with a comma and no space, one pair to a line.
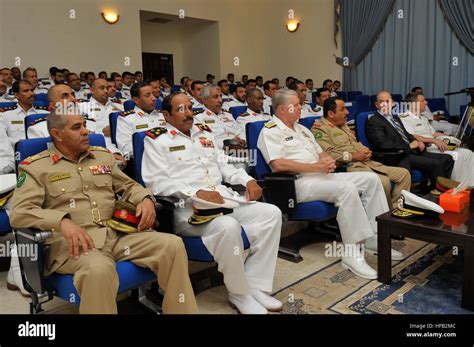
175,164
233,103
277,141
13,121
81,94
135,121
417,125
250,116
126,92
223,125
195,103
267,103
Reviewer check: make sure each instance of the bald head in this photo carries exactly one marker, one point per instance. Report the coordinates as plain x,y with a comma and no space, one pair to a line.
99,90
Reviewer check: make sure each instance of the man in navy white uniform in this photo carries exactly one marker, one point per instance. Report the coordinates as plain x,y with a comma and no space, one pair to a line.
182,160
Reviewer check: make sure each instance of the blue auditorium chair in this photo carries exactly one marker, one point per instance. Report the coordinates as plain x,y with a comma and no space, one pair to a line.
438,104
43,97
363,103
237,111
118,95
43,289
14,103
351,95
113,117
194,246
128,105
31,119
353,111
342,95
397,98
159,104
360,120
175,88
279,188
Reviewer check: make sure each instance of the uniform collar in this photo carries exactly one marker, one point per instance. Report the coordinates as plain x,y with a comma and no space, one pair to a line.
173,131
282,126
56,156
142,113
253,113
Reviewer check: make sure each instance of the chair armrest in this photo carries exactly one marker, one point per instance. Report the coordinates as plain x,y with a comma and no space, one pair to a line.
236,187
32,266
279,189
393,153
165,213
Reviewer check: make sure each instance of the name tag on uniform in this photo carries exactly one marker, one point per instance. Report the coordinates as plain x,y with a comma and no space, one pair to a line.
141,126
17,122
96,109
289,138
100,169
177,148
59,177
419,125
209,121
338,134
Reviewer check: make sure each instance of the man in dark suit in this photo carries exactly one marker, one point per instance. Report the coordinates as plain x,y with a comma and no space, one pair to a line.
387,134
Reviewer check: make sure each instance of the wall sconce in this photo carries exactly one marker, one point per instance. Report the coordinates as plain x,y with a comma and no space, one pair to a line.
292,26
110,17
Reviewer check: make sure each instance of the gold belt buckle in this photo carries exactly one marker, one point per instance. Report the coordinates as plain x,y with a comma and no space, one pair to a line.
96,215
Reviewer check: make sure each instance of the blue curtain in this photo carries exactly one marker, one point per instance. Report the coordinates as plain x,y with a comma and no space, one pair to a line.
418,49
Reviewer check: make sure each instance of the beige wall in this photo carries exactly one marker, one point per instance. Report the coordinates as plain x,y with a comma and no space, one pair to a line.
253,30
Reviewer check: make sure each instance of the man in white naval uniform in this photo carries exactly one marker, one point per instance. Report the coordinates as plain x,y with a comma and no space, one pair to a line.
238,98
222,124
270,89
306,111
12,119
438,123
142,118
31,75
254,112
182,160
196,98
417,125
322,94
287,146
127,82
74,82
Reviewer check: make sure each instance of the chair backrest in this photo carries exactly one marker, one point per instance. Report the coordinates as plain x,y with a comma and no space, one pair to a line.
397,97
32,118
43,97
8,104
360,121
237,111
314,98
308,121
259,167
28,147
363,103
351,95
438,104
373,98
88,96
138,142
128,105
159,104
113,117
175,88
342,95
118,95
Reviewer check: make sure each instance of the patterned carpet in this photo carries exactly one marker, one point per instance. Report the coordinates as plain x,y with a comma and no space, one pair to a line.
428,281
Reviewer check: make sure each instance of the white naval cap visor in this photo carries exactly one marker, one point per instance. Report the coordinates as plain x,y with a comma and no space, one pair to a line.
204,211
411,205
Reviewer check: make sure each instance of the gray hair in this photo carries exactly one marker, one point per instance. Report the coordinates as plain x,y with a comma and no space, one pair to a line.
207,90
57,119
281,98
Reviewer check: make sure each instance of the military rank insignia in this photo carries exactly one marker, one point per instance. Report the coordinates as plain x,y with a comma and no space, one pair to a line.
100,169
155,132
205,142
125,114
203,127
270,124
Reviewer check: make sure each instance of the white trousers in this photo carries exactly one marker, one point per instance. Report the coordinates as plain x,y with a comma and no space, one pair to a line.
222,238
358,195
463,169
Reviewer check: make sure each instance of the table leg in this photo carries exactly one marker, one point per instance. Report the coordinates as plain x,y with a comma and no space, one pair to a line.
384,258
468,286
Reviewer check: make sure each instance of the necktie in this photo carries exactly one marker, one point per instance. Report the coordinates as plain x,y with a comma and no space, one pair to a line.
399,129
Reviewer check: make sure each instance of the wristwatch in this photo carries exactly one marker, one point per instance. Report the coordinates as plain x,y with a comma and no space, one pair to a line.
152,198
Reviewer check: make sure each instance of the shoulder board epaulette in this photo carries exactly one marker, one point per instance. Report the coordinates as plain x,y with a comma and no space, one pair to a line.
197,111
86,117
38,120
317,124
203,127
155,132
45,108
317,109
128,113
82,100
35,157
4,109
98,148
270,124
403,115
244,114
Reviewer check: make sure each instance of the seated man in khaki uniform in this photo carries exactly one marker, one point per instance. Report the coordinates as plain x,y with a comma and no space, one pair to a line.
336,139
70,189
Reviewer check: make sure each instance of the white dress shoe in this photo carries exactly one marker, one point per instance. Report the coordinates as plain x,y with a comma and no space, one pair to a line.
270,303
246,304
359,266
371,247
14,281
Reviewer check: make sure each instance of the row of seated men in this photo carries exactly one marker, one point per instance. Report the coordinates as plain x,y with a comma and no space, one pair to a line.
183,158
